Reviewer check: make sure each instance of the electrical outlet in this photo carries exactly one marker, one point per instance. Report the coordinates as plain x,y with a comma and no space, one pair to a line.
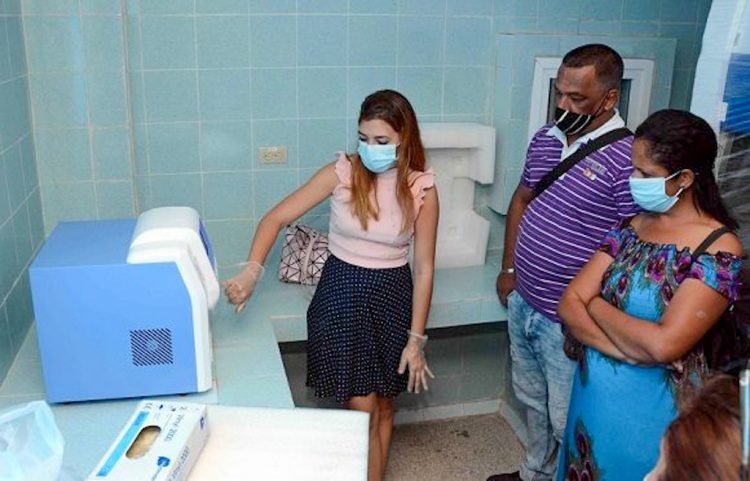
272,155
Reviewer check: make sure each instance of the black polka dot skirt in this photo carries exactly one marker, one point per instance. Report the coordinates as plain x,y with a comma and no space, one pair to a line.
357,327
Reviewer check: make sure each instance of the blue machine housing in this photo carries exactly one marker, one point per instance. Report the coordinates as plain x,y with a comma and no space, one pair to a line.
106,328
737,95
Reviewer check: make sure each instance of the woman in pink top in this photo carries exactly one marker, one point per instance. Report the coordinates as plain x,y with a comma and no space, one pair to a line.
367,319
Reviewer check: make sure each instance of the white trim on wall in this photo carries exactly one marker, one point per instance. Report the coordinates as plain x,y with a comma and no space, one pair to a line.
639,71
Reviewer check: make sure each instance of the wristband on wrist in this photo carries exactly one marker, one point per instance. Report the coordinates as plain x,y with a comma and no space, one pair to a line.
421,337
509,270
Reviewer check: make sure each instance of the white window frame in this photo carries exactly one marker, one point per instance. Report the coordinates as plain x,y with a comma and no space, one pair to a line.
639,71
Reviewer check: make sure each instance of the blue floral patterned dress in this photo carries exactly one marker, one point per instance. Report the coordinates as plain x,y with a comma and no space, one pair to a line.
618,412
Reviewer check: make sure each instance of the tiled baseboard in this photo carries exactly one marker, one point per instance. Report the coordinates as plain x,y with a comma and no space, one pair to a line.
515,420
416,415
511,416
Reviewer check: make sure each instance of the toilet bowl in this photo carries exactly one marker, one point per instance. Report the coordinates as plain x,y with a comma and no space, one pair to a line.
461,154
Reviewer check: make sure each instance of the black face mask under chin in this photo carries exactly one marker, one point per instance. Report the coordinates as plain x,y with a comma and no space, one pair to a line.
571,123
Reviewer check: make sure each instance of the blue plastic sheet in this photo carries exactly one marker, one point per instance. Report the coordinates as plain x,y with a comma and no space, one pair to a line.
31,445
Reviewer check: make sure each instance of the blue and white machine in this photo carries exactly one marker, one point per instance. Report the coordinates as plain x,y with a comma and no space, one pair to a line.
122,306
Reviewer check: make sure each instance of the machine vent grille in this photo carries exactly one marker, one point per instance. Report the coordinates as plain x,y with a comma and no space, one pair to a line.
151,347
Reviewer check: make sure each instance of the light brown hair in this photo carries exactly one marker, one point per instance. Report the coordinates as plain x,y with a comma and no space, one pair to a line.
703,443
394,109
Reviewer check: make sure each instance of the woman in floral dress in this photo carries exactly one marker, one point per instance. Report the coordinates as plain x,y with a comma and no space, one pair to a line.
643,303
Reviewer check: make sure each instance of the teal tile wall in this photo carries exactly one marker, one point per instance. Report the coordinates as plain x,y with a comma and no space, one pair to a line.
79,103
168,101
153,99
21,226
210,85
668,31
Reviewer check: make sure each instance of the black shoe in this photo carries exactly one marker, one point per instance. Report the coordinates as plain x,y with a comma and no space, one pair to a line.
505,477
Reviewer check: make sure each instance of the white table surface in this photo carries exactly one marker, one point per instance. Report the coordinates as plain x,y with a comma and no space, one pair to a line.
283,444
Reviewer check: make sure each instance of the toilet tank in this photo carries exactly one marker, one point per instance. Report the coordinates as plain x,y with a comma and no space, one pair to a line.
461,154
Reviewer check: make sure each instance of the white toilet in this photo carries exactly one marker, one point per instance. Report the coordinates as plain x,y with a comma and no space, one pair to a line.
460,154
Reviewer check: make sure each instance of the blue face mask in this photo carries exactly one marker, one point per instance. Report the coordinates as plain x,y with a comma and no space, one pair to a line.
651,193
377,158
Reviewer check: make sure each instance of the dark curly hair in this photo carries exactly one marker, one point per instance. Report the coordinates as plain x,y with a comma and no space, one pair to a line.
679,140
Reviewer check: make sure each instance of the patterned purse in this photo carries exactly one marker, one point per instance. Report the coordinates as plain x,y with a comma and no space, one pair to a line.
303,254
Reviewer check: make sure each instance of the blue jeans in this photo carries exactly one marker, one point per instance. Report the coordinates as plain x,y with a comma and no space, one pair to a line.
542,379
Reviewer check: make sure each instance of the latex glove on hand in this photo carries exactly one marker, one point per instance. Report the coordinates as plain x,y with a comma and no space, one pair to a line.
239,288
413,358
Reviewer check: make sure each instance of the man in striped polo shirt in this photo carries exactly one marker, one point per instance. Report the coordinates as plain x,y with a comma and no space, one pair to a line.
549,238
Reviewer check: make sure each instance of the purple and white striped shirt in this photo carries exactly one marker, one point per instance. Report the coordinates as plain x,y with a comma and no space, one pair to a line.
561,229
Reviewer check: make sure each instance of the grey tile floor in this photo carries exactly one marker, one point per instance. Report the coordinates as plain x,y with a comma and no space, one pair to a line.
468,448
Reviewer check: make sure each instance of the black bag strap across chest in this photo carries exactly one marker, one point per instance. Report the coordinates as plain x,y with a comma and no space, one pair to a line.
570,161
710,239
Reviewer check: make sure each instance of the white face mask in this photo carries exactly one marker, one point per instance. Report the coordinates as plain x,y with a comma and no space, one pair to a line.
651,193
377,158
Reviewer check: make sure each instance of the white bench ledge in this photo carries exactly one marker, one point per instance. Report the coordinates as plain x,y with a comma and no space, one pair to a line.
461,296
